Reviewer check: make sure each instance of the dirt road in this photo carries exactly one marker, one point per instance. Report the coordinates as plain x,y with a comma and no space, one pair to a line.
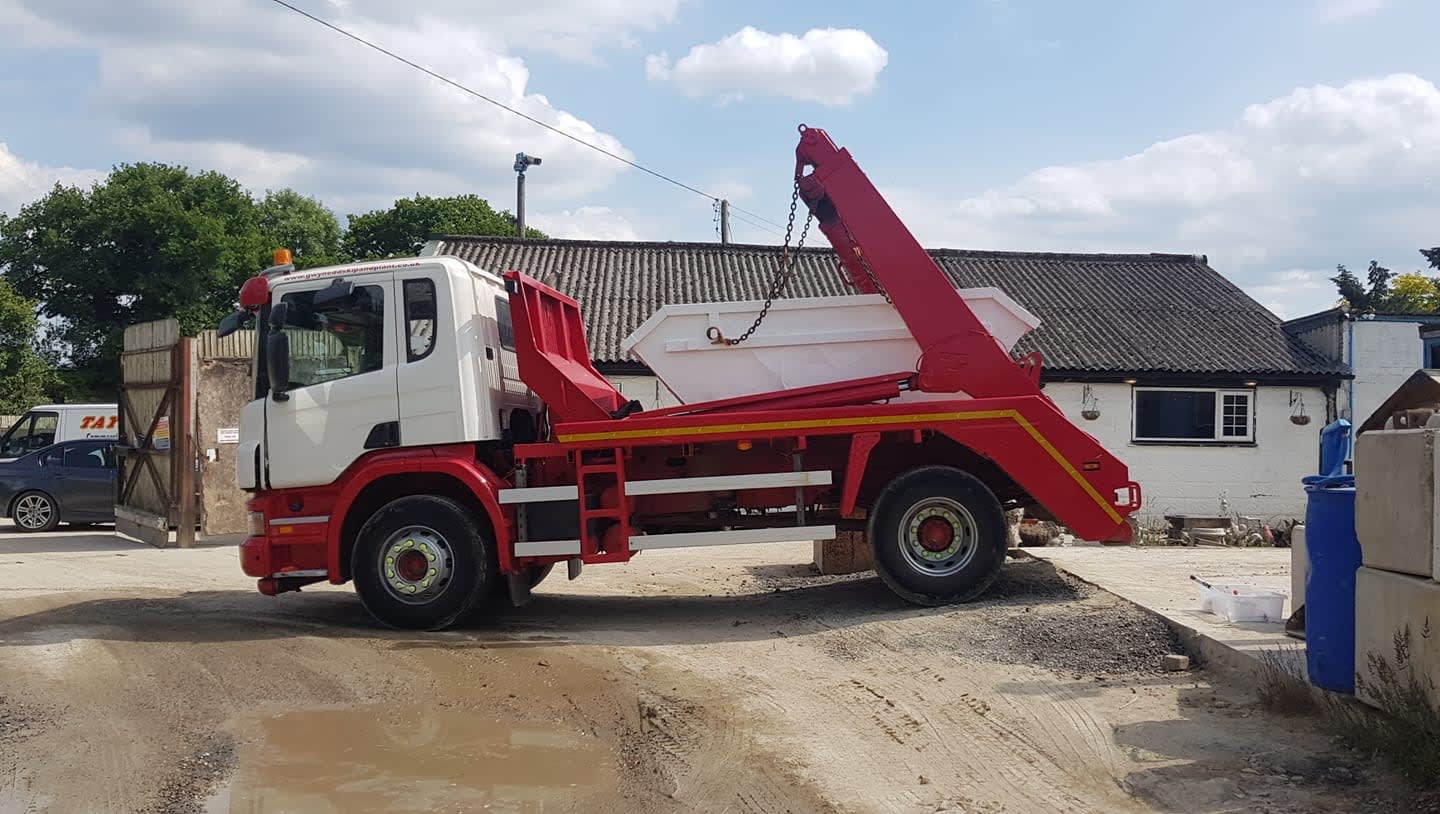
725,680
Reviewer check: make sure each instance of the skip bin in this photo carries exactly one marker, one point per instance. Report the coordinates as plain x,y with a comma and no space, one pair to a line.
1334,555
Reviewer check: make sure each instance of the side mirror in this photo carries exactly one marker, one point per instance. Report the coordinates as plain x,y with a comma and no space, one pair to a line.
334,295
232,323
277,364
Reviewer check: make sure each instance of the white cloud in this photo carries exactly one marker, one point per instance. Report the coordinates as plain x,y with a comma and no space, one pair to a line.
276,100
1334,10
24,181
830,66
586,223
1320,176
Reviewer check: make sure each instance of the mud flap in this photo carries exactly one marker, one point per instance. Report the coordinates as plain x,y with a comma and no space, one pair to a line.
519,587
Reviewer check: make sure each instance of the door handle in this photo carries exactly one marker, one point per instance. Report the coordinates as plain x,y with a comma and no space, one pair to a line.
60,476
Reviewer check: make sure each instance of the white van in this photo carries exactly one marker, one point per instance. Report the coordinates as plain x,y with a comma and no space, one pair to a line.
48,424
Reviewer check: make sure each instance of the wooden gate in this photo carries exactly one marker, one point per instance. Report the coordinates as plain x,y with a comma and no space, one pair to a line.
156,483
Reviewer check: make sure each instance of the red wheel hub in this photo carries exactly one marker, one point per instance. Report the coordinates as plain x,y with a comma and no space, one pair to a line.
412,565
936,534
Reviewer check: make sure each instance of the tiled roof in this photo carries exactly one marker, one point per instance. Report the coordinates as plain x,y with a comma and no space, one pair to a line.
1100,313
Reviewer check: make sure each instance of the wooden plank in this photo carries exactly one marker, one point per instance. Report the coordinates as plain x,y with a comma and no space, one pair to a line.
182,444
146,526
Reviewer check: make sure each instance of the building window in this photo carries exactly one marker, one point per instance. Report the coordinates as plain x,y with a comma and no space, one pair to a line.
1194,416
1432,353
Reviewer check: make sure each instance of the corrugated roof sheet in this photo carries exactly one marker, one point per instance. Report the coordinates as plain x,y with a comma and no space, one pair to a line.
1101,313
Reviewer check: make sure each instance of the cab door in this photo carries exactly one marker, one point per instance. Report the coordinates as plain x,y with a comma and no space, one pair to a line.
341,400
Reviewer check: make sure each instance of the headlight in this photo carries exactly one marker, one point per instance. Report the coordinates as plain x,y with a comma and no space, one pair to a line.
257,524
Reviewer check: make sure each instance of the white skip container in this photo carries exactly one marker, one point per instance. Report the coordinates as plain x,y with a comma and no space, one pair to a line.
802,342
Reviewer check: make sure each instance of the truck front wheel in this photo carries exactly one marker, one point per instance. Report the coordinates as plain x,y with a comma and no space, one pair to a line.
939,536
422,562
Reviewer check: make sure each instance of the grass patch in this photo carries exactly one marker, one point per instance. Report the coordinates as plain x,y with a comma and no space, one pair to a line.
1405,729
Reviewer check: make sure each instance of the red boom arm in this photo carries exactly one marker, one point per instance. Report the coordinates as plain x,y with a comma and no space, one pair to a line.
957,352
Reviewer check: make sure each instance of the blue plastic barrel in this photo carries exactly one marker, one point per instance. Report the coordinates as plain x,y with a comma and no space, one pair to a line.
1334,555
1334,443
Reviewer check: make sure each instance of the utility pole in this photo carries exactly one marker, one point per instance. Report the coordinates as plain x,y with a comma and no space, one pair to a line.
522,163
724,222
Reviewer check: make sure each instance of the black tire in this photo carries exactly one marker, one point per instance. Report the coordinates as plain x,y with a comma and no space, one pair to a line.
928,501
444,588
35,512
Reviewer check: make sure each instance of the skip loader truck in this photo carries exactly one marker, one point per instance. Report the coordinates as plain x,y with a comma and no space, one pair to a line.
438,435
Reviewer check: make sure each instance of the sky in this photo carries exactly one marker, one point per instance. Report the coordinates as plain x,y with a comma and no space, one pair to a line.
1276,138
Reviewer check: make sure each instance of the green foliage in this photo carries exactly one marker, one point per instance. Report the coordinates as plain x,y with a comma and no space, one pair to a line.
402,229
28,379
153,241
301,224
1413,293
149,242
1367,296
1432,256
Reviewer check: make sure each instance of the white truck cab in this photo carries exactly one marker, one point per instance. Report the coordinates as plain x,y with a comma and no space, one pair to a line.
411,352
46,424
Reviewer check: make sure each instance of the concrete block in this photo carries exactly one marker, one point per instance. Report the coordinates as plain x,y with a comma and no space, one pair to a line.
1395,500
1176,663
848,553
1387,605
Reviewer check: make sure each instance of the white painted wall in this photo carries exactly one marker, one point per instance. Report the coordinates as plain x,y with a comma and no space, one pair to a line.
1261,481
1385,354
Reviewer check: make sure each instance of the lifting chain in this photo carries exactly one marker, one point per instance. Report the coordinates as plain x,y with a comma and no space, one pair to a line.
783,272
864,263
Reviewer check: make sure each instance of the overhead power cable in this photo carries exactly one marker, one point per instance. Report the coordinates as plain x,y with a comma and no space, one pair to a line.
478,95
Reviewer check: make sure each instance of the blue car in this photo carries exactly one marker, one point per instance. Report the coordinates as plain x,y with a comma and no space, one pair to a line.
69,482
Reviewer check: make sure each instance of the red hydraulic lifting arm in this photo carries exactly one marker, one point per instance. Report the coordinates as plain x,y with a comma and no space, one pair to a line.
879,253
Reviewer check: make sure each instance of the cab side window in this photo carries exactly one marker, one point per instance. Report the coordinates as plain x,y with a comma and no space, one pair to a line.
420,319
31,432
504,322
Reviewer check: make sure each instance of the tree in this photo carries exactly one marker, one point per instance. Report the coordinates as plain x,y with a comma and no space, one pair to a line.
150,241
1368,296
301,224
1432,256
402,229
1413,293
28,380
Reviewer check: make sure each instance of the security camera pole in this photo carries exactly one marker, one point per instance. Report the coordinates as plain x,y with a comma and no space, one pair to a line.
522,162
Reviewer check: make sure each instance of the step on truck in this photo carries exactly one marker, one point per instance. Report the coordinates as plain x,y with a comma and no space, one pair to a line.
437,434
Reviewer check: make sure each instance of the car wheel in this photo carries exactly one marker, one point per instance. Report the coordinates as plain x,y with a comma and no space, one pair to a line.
35,511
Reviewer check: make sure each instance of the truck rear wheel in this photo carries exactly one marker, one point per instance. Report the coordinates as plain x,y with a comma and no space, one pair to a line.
939,536
422,562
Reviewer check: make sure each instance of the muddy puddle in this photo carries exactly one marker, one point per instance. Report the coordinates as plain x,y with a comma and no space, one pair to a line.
384,758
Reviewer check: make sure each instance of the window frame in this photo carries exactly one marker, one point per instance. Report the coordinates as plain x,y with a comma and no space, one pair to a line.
405,301
1219,438
27,421
380,327
504,326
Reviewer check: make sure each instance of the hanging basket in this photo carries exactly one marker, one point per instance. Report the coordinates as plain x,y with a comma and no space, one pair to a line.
1089,415
1300,420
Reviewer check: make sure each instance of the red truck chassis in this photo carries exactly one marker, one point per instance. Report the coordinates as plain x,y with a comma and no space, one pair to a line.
601,481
